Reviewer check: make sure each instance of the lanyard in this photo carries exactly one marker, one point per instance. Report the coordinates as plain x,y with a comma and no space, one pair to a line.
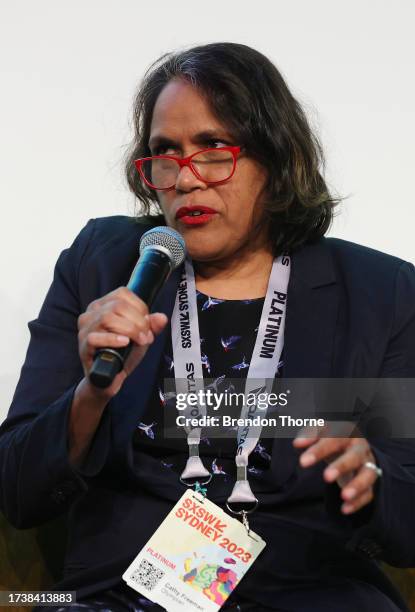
264,363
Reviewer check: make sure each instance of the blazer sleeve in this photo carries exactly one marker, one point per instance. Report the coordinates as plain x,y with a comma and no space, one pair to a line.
37,481
384,528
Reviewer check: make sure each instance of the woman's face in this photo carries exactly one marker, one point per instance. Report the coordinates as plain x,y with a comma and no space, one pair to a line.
182,124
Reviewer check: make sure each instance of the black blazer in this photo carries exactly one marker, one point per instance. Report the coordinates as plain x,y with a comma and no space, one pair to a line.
351,313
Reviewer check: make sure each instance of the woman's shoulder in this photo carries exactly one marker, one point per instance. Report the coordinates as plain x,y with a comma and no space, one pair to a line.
372,275
359,253
358,267
121,226
363,261
104,238
108,234
366,274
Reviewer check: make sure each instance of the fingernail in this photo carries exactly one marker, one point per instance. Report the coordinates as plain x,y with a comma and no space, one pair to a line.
121,338
299,440
347,508
308,459
331,473
349,493
142,337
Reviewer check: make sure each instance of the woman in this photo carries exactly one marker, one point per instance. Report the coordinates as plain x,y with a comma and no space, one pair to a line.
251,190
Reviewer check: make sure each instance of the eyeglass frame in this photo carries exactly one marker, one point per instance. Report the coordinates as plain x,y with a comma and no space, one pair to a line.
186,161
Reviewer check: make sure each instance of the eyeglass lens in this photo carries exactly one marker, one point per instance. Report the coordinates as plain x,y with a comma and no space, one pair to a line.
211,166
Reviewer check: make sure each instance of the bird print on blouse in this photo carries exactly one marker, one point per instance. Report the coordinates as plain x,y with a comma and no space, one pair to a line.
241,366
205,362
229,343
210,302
170,362
217,469
147,429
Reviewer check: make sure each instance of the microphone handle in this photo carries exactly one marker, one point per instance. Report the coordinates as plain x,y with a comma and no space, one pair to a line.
151,271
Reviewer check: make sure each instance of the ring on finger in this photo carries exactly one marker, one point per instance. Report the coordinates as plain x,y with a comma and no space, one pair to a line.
374,467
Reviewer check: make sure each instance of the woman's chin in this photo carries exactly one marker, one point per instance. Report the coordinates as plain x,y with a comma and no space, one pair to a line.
201,251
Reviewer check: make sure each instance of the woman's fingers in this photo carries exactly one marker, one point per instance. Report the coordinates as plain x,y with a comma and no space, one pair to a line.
117,329
346,457
117,319
358,502
306,436
131,327
321,450
302,442
122,303
102,339
121,296
125,331
364,480
352,459
307,442
114,321
97,340
158,321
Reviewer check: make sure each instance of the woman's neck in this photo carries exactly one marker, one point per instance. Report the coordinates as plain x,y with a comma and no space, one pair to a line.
241,277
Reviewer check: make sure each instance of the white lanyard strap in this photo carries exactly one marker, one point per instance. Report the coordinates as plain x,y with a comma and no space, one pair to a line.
188,363
264,364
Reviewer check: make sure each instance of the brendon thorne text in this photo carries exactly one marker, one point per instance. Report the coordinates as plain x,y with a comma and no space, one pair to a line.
282,420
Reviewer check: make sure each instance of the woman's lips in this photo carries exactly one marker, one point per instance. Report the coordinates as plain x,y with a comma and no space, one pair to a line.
195,215
196,220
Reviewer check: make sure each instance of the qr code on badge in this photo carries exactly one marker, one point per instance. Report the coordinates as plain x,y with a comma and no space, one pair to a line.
147,574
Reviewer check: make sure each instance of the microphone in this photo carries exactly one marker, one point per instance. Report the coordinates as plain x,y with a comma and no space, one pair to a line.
162,249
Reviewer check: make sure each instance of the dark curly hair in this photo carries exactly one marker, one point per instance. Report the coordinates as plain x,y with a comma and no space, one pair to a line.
247,93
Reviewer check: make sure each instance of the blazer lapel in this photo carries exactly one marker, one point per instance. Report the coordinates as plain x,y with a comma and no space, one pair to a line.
312,311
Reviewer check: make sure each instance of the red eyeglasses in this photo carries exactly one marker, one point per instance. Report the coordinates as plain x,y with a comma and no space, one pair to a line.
212,166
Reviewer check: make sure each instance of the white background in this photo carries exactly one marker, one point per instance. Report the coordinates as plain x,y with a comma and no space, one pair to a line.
68,73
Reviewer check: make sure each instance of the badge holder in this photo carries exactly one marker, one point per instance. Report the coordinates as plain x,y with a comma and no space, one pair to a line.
241,493
195,469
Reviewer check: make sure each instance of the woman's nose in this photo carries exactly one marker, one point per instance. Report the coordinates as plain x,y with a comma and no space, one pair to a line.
187,181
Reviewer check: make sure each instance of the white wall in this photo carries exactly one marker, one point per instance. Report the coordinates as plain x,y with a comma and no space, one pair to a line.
68,73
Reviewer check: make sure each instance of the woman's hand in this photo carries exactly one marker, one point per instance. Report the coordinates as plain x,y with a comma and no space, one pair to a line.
346,458
112,321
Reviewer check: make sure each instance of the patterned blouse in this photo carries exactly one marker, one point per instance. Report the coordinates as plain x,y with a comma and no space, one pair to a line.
228,330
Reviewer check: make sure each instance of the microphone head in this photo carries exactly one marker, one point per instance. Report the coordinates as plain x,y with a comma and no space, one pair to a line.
167,240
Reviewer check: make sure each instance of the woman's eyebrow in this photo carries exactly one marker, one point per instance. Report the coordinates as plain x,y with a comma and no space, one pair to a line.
156,141
210,135
200,137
